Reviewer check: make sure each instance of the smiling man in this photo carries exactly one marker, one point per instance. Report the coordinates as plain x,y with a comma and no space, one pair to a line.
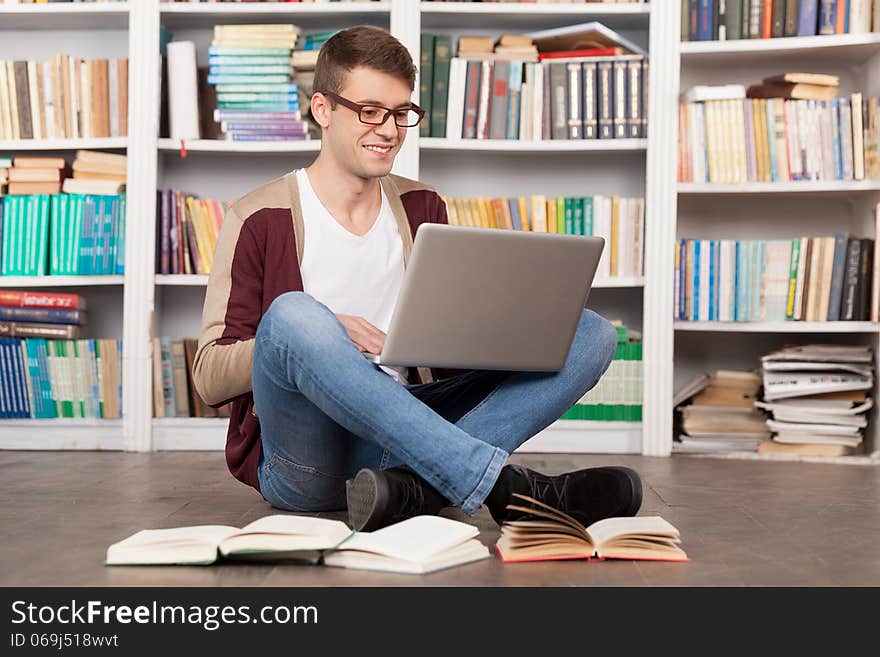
306,275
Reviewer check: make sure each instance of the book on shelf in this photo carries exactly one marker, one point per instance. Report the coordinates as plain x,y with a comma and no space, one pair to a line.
33,299
187,231
418,545
725,20
494,91
805,279
174,393
54,378
817,397
617,397
777,139
549,534
64,97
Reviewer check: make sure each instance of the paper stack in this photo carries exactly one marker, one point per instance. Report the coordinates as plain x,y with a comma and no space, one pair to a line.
722,414
817,396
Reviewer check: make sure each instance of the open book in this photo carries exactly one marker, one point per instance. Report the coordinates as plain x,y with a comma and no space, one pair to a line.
417,545
555,535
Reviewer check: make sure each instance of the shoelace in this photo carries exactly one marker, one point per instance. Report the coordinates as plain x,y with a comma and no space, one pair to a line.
539,490
413,498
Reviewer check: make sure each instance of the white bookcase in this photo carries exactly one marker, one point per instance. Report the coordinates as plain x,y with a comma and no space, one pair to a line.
141,304
774,210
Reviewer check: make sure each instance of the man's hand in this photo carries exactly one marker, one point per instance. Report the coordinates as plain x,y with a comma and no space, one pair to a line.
366,336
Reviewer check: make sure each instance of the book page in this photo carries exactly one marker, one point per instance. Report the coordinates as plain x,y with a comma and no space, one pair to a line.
286,533
414,539
605,530
209,534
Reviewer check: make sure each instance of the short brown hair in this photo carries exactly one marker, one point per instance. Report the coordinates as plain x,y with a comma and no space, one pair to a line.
371,47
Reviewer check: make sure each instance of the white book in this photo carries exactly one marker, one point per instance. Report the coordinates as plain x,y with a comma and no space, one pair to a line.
806,428
725,298
781,385
801,366
455,102
48,98
703,92
537,113
795,438
418,545
183,99
113,97
34,96
602,228
92,186
860,16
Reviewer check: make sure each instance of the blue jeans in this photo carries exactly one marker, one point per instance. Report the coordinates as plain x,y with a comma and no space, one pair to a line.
325,411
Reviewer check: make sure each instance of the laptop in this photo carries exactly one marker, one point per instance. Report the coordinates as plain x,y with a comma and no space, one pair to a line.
484,298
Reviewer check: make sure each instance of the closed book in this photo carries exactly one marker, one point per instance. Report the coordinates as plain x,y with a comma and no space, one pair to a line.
777,27
838,267
559,100
426,79
589,101
808,17
471,99
791,90
791,18
168,394
866,280
43,315
500,97
849,297
605,91
828,12
158,394
574,101
705,20
23,100
440,91
181,384
39,330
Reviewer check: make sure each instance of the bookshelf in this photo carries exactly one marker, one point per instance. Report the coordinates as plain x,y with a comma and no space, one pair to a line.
142,304
767,211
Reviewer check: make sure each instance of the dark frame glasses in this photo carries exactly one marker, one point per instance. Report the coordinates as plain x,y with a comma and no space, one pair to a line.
378,115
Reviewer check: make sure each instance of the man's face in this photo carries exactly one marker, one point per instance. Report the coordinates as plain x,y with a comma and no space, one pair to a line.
367,151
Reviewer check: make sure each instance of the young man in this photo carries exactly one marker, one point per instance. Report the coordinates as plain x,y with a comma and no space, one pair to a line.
306,274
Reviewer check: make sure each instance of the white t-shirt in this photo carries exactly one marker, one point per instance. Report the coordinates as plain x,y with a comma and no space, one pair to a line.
352,274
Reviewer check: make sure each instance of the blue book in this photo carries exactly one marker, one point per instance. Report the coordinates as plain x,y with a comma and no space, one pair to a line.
86,236
682,273
705,20
759,260
514,89
742,281
247,79
93,371
39,409
835,138
588,215
46,381
712,276
515,219
838,269
120,237
21,378
717,289
4,382
43,315
808,16
827,16
14,403
695,311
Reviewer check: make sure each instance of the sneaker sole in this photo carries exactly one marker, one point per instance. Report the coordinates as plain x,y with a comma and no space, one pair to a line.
367,497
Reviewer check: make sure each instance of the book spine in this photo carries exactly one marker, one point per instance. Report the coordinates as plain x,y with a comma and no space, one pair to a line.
591,118
46,315
471,100
29,299
634,96
808,16
620,99
573,101
794,264
514,88
778,18
440,81
606,100
559,100
827,16
38,330
851,280
499,100
867,278
791,18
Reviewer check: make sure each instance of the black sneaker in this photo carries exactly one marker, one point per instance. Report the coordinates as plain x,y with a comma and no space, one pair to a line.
586,495
378,498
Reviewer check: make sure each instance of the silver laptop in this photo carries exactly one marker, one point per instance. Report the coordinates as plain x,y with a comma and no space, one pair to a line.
483,298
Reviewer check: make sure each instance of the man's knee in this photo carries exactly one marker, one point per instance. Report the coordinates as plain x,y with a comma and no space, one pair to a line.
597,337
299,317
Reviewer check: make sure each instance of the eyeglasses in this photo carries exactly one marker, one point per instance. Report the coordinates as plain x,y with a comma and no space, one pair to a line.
404,117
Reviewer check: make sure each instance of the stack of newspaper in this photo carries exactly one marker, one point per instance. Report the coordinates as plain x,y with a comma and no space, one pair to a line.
818,396
721,415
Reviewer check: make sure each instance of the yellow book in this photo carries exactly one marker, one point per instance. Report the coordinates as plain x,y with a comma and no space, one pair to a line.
208,223
551,216
450,211
461,212
476,217
482,214
201,239
523,214
760,139
614,245
505,213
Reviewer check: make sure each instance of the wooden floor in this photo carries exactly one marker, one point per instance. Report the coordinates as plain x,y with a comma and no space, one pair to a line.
743,523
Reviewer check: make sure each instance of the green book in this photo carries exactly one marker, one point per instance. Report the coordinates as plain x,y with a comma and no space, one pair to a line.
578,217
426,80
64,383
792,278
560,215
54,219
569,216
99,371
733,20
8,213
43,243
440,81
588,215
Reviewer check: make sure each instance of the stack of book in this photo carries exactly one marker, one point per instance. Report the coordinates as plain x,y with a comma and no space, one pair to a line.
63,98
187,232
40,315
721,415
818,396
251,70
790,127
304,61
621,221
582,81
97,173
813,279
62,234
34,175
174,394
48,378
710,20
618,394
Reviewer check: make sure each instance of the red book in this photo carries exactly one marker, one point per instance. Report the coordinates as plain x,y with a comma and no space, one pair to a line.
28,299
767,19
584,52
